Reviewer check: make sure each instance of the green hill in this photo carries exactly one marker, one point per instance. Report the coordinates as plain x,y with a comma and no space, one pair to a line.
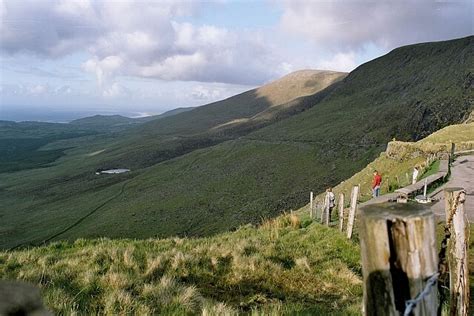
397,162
118,122
103,120
193,175
286,266
211,124
20,143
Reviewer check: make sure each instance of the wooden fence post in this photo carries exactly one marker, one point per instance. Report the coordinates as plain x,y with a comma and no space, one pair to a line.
323,210
326,210
399,259
352,211
458,226
341,211
311,205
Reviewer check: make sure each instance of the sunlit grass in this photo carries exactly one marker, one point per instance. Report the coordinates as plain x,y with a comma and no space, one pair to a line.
285,266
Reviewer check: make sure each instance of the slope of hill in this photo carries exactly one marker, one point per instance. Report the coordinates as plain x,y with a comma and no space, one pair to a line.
211,124
276,269
397,163
182,185
460,134
20,143
246,104
118,122
73,190
167,113
103,120
273,168
288,265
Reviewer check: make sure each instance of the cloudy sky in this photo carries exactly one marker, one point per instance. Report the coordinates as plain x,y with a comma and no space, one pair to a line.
152,56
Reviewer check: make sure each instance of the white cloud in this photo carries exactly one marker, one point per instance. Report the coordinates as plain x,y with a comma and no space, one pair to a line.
202,93
349,25
339,62
104,69
63,90
115,90
142,39
120,41
38,89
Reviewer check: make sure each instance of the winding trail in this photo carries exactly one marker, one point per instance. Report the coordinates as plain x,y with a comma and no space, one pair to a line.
462,175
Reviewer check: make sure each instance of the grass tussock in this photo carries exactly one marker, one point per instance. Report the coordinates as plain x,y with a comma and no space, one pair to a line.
288,265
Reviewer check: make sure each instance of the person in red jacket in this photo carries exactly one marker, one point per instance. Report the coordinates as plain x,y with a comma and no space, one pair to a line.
376,182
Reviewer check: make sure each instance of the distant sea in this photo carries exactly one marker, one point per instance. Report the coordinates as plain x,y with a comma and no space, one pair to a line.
56,115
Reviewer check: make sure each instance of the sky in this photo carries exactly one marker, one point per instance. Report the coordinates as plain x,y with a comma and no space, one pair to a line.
146,57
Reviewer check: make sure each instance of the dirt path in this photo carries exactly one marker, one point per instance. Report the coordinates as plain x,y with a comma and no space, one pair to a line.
462,175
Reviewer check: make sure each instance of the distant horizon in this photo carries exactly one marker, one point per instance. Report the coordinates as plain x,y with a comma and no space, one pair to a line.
25,114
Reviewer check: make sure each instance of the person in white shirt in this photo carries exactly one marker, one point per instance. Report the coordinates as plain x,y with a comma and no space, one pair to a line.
331,201
415,175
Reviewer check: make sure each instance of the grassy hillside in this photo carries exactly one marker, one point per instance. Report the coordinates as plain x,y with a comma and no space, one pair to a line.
396,168
20,143
285,267
274,168
187,180
118,122
245,105
461,134
103,120
278,268
211,124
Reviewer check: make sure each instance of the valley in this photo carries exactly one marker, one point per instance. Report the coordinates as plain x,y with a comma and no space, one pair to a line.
216,167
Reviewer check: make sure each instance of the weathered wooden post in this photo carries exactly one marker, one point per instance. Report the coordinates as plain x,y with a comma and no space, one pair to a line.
311,215
323,210
453,150
458,227
341,211
326,210
425,188
399,259
352,211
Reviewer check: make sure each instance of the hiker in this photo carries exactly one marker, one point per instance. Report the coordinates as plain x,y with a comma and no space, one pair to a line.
415,175
331,201
376,182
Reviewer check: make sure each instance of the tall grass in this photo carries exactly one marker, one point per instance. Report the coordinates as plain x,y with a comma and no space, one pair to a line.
288,265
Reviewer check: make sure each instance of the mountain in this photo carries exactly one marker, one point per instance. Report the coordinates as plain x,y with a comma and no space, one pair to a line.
245,105
160,140
104,121
117,122
242,159
166,114
270,269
